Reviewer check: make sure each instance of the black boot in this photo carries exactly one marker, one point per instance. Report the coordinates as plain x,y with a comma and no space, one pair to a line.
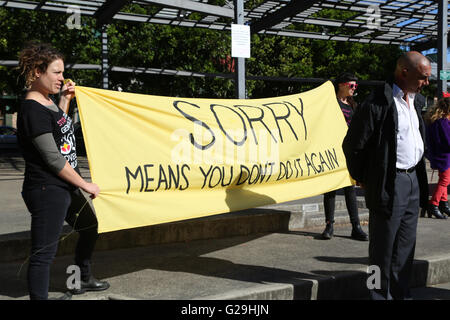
328,232
444,208
91,284
433,210
359,234
422,212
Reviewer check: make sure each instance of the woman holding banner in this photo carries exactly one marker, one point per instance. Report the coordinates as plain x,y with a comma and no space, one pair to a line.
345,85
52,183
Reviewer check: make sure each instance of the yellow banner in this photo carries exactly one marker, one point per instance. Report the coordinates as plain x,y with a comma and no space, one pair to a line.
162,159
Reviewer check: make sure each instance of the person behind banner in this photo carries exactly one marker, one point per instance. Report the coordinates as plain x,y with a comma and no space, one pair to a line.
345,86
384,149
438,153
52,182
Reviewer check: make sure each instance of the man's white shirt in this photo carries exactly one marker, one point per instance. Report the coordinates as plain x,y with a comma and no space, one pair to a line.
410,146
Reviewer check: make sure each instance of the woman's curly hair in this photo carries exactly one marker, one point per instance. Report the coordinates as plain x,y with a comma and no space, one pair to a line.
440,109
34,56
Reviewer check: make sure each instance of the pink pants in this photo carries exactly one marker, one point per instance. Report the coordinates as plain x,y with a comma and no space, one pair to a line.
440,194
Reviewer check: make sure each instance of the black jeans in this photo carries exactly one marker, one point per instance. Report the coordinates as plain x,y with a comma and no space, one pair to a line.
49,206
329,201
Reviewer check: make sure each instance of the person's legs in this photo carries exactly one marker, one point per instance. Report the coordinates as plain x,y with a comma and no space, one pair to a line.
352,208
444,180
436,205
383,228
329,201
405,242
48,206
440,193
82,219
352,205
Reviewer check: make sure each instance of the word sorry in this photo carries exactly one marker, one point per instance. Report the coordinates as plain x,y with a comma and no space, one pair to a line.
283,114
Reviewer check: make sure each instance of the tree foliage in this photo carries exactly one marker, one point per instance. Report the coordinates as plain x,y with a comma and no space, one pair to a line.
188,49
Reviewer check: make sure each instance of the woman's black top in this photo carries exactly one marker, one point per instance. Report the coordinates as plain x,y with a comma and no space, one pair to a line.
35,119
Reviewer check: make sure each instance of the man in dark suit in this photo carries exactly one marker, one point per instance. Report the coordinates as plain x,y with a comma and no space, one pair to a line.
384,149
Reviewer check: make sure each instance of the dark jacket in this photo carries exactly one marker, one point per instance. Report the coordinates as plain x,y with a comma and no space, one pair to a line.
370,148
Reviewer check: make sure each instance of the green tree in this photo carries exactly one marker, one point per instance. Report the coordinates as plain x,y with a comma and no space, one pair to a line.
189,49
21,26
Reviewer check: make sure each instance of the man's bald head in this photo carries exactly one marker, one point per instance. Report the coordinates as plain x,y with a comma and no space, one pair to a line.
412,59
412,71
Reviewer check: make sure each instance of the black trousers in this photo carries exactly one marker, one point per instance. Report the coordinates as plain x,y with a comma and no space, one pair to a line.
49,206
329,202
392,239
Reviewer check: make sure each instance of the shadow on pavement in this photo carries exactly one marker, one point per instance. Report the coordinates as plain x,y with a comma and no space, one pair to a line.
178,259
346,260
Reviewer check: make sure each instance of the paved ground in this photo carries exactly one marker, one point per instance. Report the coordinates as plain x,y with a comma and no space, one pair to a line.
290,265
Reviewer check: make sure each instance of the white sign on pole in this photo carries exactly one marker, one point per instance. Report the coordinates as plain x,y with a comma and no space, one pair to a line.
240,41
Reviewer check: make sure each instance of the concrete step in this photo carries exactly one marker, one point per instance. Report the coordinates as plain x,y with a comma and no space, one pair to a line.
292,265
274,218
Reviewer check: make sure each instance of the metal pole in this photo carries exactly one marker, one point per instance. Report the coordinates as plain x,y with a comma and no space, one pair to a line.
240,65
105,66
442,44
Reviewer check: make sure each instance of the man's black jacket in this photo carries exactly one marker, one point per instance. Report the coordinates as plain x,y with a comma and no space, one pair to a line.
370,148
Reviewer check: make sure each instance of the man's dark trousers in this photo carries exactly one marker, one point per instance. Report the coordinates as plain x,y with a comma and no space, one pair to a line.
393,239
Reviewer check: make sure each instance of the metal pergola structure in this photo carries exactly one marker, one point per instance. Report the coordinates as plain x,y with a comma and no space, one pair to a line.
417,24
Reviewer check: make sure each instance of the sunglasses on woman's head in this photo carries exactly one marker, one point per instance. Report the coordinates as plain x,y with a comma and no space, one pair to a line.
351,85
